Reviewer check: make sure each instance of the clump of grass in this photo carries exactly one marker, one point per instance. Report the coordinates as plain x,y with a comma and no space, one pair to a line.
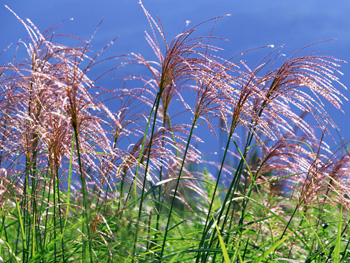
81,182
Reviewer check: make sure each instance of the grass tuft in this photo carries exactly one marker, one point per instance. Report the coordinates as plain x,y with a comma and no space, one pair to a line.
97,174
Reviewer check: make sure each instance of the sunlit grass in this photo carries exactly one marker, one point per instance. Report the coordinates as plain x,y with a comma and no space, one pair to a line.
80,182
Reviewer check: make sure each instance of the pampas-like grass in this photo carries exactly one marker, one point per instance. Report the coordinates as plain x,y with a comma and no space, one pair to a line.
82,182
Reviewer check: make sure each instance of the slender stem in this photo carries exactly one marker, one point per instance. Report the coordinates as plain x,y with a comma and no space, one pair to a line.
69,179
47,215
60,212
24,208
86,213
157,101
54,214
205,230
233,185
235,180
159,204
177,184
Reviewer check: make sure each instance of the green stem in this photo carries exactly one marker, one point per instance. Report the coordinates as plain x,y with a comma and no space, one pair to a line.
86,213
160,187
212,200
157,101
69,180
177,184
234,183
54,214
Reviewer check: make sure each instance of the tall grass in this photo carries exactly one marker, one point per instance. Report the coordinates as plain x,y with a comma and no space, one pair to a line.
84,180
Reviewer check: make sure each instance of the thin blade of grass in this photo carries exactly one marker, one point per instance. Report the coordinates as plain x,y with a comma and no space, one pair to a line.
69,179
21,224
336,254
271,249
222,244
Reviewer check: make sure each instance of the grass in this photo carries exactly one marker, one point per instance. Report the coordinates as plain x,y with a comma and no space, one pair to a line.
81,182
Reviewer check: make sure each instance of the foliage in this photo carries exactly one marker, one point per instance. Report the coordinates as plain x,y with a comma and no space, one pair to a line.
81,182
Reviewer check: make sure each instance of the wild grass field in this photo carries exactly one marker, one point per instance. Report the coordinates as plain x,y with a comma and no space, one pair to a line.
98,174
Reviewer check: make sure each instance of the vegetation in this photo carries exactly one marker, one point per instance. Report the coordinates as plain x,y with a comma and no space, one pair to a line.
94,174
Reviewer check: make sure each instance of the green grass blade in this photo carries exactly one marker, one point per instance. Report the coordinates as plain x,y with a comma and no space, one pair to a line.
69,178
281,219
336,254
21,224
222,244
271,249
10,250
156,102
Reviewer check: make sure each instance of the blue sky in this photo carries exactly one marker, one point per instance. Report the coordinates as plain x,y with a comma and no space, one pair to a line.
293,24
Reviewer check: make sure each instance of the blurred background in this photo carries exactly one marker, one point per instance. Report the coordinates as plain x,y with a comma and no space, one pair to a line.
253,23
